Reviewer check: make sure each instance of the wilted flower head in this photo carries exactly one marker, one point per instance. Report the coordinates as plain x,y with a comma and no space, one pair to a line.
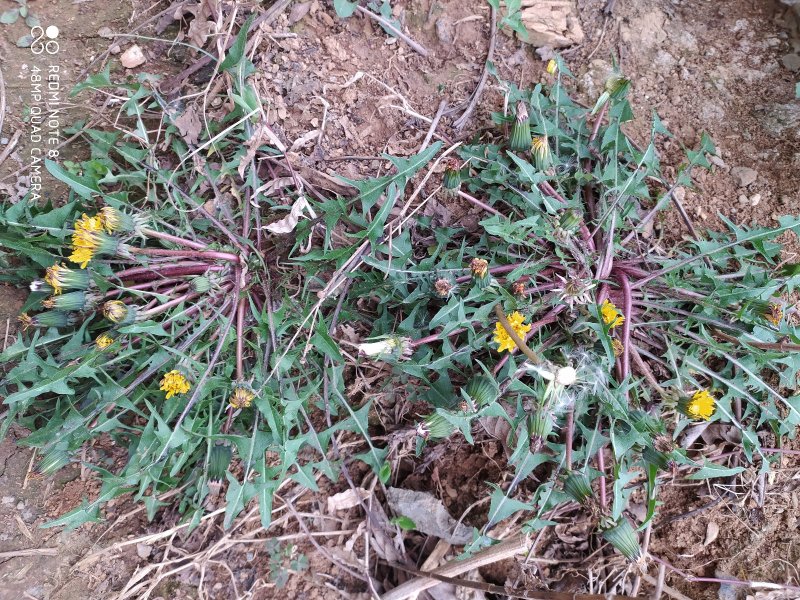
774,313
242,396
443,287
479,268
78,300
501,336
518,288
574,291
50,318
521,130
174,383
395,347
59,277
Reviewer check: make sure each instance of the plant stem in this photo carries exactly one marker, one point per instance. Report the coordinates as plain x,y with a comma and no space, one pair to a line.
173,238
172,269
601,466
167,305
201,255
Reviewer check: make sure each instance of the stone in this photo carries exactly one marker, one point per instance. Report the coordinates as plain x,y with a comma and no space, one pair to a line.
143,550
8,499
444,30
105,32
744,176
553,23
755,199
791,61
743,199
132,57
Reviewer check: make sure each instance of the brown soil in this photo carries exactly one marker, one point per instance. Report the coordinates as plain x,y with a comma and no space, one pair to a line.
703,66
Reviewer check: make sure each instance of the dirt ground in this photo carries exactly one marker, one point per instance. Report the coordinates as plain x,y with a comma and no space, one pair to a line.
342,92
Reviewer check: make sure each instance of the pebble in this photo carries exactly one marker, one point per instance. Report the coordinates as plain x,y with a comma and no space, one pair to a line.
20,505
132,57
115,49
717,161
143,550
105,32
755,199
791,61
743,199
8,499
744,176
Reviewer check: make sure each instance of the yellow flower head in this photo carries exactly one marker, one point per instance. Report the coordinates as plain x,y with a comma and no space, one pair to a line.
103,341
700,406
82,256
501,337
87,223
174,383
115,310
540,147
110,217
552,66
242,397
611,316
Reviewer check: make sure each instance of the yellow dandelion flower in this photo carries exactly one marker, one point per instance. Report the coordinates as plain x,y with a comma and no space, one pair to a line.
82,256
115,310
611,316
110,217
552,66
501,337
103,341
87,223
242,397
700,406
174,383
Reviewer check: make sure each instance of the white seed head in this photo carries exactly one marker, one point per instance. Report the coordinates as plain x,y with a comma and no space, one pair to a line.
566,376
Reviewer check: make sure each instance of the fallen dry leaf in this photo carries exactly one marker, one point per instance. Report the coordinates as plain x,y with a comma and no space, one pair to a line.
189,124
346,499
712,532
289,222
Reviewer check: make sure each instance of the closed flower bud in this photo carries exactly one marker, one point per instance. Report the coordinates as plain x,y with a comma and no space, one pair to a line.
116,220
437,427
40,286
623,537
50,318
218,461
103,341
577,487
541,425
451,180
482,390
552,66
78,300
119,312
521,130
200,284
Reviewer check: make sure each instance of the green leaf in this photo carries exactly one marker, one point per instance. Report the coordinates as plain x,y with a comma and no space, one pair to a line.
55,218
385,473
710,470
10,16
25,41
344,8
83,186
403,523
236,52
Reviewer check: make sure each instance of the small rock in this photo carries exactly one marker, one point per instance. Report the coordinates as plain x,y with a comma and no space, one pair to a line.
755,199
8,499
143,550
444,30
680,194
791,61
115,49
744,176
20,505
132,57
743,199
717,161
105,32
